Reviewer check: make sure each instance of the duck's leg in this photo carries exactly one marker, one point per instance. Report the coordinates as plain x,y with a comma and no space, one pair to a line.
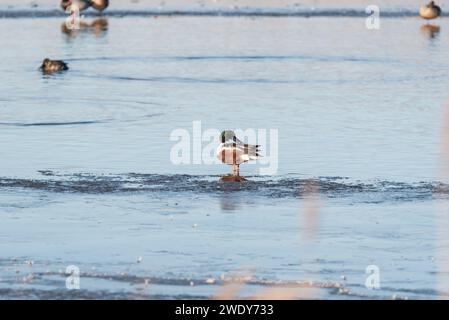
235,170
234,176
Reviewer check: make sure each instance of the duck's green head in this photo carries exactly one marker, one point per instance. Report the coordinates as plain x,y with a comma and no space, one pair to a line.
227,135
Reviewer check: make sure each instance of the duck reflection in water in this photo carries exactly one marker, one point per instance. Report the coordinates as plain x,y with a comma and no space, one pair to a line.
230,201
98,27
430,31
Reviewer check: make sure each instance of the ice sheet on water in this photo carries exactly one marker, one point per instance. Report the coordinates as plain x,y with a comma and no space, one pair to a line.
270,187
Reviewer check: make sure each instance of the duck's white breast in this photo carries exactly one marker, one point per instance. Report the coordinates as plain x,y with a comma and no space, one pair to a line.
229,155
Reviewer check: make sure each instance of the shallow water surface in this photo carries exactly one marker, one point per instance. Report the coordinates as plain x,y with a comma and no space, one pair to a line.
86,177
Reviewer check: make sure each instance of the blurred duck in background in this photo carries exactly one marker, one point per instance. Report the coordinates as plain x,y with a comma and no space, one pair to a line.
85,4
79,4
430,11
99,4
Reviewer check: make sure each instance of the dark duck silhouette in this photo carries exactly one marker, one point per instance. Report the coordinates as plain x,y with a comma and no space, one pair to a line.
51,66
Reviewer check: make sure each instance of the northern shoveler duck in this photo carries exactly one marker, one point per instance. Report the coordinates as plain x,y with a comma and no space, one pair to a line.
232,151
84,4
430,11
50,66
